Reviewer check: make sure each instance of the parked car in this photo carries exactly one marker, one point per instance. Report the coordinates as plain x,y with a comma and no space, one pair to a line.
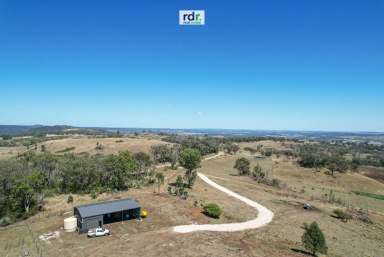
98,232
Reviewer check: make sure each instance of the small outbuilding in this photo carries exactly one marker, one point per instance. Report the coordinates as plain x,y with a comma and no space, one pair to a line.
96,215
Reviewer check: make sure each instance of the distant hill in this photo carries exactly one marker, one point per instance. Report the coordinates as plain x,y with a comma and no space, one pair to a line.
26,130
15,130
369,137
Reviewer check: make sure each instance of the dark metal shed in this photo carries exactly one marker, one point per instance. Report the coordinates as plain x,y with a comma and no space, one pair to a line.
96,215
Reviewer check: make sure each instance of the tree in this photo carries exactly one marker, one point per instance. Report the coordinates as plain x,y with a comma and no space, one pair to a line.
6,137
231,148
47,163
175,152
337,163
159,180
313,239
143,160
120,169
37,181
24,194
161,153
190,159
242,165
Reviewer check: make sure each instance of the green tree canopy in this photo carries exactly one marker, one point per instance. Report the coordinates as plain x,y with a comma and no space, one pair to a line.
313,239
190,159
242,165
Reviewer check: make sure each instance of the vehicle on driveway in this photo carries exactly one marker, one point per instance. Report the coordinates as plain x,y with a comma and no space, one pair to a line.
95,232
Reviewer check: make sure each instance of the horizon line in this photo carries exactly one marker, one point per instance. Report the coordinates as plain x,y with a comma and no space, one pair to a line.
174,128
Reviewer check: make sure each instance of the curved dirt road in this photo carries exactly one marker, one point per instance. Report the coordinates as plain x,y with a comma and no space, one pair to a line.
264,215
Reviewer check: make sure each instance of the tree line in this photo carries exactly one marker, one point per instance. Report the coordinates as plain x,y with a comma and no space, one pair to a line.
27,179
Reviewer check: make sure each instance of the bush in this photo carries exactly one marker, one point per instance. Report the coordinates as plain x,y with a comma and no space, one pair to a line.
49,192
231,148
5,221
94,194
179,188
99,146
258,173
340,214
276,183
170,190
268,152
242,165
363,216
6,137
70,199
313,239
212,210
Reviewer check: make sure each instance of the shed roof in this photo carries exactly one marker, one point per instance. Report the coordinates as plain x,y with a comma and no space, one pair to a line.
101,208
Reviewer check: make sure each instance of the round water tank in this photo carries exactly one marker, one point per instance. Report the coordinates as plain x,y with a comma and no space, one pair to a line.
70,224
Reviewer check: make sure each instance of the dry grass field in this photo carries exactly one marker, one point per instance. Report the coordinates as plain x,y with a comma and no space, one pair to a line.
354,238
87,144
109,145
153,236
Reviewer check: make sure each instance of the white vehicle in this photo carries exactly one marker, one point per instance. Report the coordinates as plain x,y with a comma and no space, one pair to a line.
98,232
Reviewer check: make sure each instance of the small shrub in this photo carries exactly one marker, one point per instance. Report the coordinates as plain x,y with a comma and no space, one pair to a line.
70,199
179,188
93,194
49,192
340,214
184,195
99,146
258,174
268,152
170,191
5,221
212,210
67,149
276,183
363,216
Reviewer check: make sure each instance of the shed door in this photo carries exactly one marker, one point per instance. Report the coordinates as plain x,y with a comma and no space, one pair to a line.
94,223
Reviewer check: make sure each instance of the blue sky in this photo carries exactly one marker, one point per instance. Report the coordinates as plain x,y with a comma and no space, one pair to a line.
306,65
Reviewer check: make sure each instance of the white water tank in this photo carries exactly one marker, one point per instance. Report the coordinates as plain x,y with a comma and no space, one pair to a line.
70,224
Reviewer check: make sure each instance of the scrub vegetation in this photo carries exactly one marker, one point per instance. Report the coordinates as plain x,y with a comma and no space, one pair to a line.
27,179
